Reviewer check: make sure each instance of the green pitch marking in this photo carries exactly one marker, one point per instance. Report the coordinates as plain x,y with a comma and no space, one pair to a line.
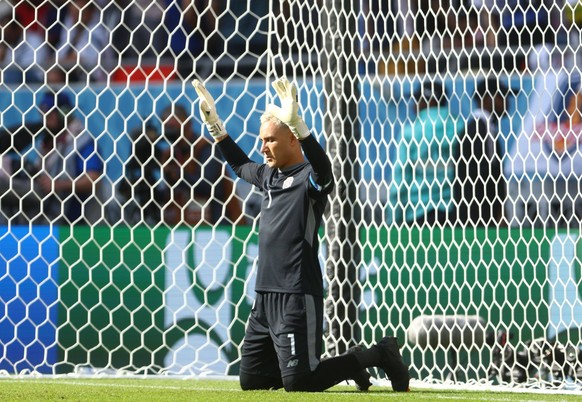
146,389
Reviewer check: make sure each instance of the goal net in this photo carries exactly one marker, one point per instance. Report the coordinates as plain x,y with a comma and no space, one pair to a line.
454,128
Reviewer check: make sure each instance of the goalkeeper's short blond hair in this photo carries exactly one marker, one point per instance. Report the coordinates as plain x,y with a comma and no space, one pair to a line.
267,116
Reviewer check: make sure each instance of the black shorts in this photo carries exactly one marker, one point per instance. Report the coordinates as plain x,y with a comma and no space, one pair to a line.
283,336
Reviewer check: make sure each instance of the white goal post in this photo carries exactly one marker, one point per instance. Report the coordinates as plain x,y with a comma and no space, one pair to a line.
453,226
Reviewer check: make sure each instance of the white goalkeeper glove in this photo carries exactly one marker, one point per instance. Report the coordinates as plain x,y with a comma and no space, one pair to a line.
288,113
208,112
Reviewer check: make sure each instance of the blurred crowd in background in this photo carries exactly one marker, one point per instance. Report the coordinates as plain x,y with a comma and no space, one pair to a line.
174,177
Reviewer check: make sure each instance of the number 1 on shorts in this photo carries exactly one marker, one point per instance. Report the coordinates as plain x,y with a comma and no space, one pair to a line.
292,337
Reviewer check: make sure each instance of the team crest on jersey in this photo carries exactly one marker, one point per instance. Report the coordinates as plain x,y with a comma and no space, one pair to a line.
288,181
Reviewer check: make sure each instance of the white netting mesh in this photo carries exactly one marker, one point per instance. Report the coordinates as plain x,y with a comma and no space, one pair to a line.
454,128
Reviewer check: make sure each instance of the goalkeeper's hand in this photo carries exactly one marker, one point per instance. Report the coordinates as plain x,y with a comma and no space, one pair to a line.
208,112
288,113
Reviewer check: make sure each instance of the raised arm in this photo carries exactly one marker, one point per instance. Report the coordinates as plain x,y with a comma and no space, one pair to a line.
288,113
320,164
242,165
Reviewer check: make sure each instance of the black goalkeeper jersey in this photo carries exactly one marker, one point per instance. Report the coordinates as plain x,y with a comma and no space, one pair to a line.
291,211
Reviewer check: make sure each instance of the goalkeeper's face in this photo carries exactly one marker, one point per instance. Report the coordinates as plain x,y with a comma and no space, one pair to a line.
279,145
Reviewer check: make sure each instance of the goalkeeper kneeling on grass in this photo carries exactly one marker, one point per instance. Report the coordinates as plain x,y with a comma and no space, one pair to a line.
283,340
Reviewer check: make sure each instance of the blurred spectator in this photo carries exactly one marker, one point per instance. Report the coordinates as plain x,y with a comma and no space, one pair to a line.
36,16
33,14
432,25
544,163
481,20
55,76
565,133
135,27
530,28
65,165
19,204
9,195
480,187
142,185
524,22
244,26
460,24
517,23
7,198
466,29
17,139
198,189
378,25
300,37
21,50
147,34
527,23
423,172
572,24
190,25
114,16
560,202
84,48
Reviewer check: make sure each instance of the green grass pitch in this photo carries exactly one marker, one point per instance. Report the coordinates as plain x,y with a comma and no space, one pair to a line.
206,390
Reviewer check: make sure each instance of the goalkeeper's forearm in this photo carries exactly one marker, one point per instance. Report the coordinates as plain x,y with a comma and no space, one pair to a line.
233,154
319,161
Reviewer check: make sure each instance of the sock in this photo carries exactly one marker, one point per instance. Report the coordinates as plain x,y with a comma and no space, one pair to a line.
328,373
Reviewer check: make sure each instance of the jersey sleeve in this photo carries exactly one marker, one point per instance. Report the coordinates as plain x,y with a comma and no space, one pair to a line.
240,163
321,180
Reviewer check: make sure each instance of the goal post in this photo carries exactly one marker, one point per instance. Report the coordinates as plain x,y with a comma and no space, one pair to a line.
342,134
119,256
